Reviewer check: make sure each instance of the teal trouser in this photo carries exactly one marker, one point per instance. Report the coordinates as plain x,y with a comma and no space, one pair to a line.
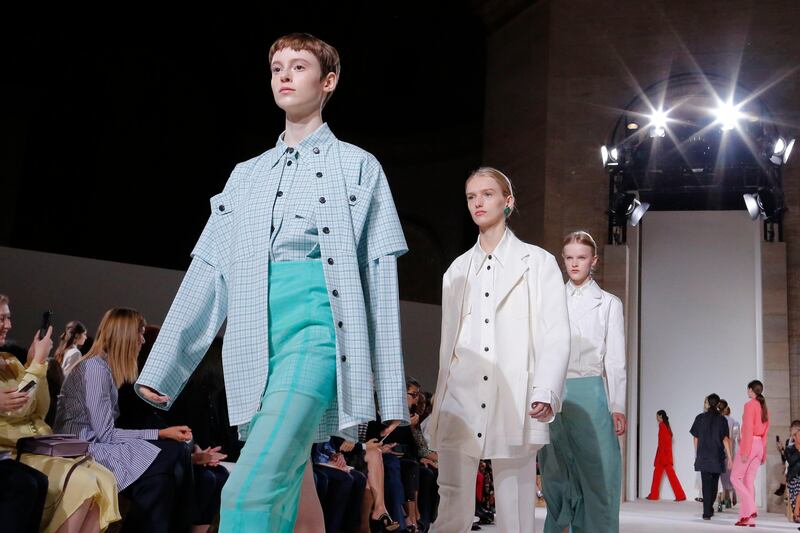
263,490
581,467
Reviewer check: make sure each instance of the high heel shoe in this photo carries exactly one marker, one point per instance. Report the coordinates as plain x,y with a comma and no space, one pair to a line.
745,522
383,523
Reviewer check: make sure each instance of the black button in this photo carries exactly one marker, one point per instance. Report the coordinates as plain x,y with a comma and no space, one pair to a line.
288,163
486,320
490,256
340,324
290,150
486,294
488,267
315,150
280,193
326,230
483,406
322,199
330,260
335,293
485,378
480,435
485,348
352,197
222,207
319,174
344,358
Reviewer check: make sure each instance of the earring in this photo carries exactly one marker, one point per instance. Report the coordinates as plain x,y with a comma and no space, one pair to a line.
507,211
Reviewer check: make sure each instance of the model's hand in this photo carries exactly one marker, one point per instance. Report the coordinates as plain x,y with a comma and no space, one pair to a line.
414,421
11,400
347,446
541,411
387,448
40,348
178,433
620,423
152,395
393,424
429,462
372,444
729,464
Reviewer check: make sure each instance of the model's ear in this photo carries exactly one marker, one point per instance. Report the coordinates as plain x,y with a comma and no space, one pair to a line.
329,82
510,202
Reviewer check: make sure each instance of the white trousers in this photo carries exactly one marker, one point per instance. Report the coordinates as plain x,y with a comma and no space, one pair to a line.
514,492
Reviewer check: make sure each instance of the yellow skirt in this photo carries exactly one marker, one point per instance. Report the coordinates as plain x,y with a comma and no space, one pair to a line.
90,480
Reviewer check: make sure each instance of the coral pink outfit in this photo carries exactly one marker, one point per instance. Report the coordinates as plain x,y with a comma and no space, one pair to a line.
751,455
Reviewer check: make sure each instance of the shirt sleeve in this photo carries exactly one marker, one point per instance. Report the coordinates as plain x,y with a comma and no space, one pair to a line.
191,325
552,338
695,431
615,360
748,419
100,408
383,305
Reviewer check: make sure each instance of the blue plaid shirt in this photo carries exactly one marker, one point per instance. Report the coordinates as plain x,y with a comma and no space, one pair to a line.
350,216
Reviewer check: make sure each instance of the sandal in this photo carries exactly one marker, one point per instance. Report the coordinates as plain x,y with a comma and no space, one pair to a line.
383,523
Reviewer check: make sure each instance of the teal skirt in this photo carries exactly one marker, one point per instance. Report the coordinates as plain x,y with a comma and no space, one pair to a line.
263,490
582,467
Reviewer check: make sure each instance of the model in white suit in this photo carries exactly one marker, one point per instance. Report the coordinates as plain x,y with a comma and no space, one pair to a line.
581,468
502,364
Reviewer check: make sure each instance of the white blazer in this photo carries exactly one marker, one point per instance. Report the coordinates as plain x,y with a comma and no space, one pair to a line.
598,340
531,330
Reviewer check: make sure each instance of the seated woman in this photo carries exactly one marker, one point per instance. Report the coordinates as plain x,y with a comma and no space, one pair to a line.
150,465
89,501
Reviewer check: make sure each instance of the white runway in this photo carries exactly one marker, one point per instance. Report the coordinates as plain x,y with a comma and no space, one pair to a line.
677,517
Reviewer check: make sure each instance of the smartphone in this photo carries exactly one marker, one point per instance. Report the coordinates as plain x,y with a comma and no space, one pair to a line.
47,318
28,386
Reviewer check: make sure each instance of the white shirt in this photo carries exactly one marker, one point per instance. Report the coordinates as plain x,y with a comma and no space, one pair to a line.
474,391
597,344
71,358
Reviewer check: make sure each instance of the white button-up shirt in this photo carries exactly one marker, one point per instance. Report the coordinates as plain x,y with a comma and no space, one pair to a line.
597,344
473,381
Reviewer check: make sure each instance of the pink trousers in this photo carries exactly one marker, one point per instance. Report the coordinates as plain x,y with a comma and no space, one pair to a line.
743,478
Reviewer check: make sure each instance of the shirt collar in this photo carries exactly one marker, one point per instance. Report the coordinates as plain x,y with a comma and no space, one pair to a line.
479,257
313,143
590,288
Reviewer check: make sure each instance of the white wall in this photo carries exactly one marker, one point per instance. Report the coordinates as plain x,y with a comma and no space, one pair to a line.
83,289
700,325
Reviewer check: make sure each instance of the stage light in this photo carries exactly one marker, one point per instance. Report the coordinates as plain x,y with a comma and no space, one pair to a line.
788,151
751,202
613,155
658,124
762,203
604,154
728,115
633,126
609,157
779,146
627,206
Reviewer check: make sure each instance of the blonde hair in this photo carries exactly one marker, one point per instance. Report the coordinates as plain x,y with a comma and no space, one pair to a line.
118,339
580,237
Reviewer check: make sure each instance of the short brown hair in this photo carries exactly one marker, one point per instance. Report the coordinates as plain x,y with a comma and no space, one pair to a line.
580,237
326,54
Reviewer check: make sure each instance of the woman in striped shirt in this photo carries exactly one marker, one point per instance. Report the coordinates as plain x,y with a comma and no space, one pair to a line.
149,464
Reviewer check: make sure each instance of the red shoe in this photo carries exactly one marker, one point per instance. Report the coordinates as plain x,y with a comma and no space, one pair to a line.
744,522
651,498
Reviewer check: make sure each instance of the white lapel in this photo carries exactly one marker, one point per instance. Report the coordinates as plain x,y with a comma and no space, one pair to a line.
590,299
515,266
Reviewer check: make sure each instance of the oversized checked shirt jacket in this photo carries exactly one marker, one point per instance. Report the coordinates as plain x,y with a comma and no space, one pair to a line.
337,195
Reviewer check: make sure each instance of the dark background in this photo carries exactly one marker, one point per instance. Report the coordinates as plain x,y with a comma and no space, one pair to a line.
117,127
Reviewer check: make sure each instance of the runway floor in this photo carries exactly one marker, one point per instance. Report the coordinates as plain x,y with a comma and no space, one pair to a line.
643,516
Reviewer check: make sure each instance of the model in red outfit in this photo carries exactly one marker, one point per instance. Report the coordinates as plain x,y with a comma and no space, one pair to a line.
755,426
663,462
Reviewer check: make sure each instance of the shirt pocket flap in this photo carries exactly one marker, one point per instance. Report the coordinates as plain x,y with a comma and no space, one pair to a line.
356,194
222,204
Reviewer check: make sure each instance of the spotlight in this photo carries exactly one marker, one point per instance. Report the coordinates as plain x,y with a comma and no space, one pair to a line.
658,124
788,151
633,126
751,202
628,206
762,203
728,115
609,157
779,146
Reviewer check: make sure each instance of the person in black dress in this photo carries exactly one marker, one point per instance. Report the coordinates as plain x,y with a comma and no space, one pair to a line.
712,451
